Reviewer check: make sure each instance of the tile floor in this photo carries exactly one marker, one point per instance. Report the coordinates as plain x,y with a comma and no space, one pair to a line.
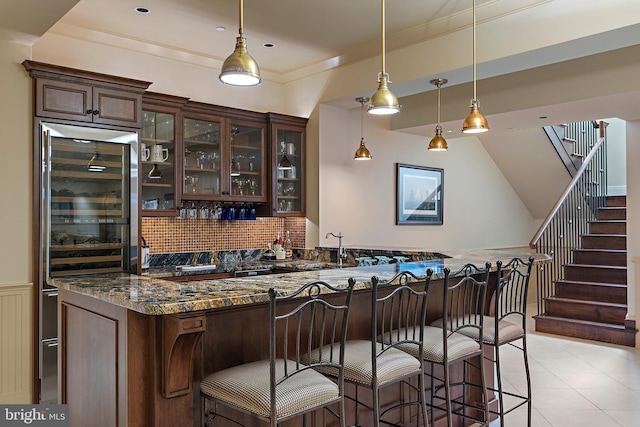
575,382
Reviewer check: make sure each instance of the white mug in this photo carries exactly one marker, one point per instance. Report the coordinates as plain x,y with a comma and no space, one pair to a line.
159,154
144,152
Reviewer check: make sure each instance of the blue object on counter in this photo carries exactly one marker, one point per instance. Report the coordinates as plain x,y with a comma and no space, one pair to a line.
364,260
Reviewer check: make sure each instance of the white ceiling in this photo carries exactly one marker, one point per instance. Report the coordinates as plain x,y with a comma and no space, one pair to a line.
304,32
310,35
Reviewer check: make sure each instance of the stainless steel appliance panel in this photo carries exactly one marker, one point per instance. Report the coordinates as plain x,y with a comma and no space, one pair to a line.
89,219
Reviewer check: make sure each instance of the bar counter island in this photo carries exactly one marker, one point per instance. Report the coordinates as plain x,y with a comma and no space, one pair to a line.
133,349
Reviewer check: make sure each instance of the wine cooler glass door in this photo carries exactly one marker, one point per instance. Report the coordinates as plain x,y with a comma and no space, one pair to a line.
88,189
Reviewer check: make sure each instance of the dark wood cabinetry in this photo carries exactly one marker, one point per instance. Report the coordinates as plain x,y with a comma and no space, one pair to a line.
225,155
288,169
221,154
83,96
161,154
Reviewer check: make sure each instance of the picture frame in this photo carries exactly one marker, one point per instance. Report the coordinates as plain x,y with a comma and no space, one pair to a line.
419,195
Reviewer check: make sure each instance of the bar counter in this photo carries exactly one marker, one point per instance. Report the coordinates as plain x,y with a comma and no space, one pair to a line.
133,348
154,296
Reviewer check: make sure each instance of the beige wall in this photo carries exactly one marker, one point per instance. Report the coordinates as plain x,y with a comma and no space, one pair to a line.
481,209
616,156
15,228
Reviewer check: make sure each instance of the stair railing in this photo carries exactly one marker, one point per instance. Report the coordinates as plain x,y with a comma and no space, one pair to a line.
560,232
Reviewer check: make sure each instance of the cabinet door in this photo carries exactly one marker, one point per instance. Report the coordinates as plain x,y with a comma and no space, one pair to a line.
205,174
289,191
115,107
63,100
85,103
158,164
248,161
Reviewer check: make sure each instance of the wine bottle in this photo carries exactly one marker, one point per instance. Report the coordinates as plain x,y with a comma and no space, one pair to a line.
288,246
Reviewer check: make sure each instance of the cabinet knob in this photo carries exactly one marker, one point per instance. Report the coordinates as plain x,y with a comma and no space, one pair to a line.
94,112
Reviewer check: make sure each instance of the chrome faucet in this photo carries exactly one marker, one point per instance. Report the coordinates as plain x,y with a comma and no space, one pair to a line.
342,252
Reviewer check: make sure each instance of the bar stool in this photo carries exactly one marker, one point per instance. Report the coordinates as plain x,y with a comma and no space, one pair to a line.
506,325
463,305
398,314
282,386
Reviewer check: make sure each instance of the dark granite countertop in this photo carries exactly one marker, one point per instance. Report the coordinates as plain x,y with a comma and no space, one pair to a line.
154,296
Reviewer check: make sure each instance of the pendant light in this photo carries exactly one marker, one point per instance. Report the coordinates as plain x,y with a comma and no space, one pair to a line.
155,173
240,69
96,164
235,168
438,143
383,101
475,122
362,153
284,163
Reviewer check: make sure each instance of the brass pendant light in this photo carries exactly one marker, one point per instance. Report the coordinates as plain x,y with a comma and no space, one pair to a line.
383,101
475,122
96,164
362,153
235,168
438,143
155,173
240,69
285,163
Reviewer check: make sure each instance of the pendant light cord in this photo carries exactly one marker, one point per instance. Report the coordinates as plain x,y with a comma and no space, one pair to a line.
439,84
362,119
384,72
475,97
241,19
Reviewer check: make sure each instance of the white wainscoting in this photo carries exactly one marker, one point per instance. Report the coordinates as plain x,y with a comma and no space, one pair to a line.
16,343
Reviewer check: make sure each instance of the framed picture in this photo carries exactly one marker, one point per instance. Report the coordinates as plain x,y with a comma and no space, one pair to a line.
419,195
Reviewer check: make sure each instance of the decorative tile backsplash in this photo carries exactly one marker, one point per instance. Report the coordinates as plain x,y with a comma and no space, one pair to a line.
172,234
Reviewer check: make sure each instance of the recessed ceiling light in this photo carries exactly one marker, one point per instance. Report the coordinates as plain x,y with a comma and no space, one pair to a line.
220,28
269,45
141,9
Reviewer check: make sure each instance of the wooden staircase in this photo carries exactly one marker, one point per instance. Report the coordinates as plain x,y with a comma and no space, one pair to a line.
590,302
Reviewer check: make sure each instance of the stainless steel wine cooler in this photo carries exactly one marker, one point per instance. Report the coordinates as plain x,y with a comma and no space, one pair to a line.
89,218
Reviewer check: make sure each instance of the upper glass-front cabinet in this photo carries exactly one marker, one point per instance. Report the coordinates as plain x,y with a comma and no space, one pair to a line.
223,160
202,159
288,174
158,163
247,152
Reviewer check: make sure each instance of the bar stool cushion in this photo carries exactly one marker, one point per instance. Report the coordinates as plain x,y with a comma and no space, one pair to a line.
392,364
458,345
247,387
507,331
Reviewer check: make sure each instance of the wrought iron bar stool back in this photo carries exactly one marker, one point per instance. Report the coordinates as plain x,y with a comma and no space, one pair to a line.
398,313
463,308
507,324
283,386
